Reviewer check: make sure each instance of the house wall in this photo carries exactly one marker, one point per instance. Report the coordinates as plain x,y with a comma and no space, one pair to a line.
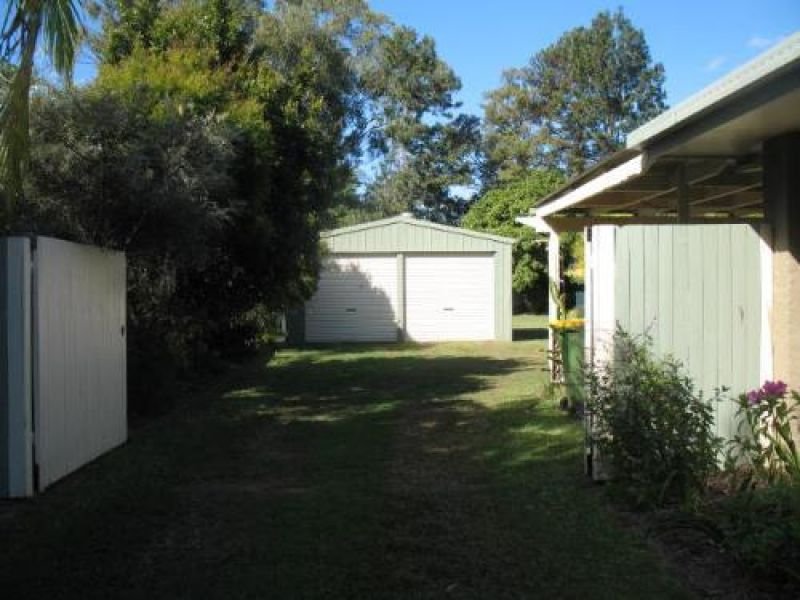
696,290
406,237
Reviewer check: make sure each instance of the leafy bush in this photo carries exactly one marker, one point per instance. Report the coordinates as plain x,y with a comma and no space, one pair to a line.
655,429
758,522
495,212
761,530
765,441
210,230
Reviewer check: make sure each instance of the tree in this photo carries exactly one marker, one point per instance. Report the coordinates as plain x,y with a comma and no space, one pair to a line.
104,172
382,88
422,173
213,144
495,212
427,148
398,96
212,169
575,101
26,23
406,82
281,95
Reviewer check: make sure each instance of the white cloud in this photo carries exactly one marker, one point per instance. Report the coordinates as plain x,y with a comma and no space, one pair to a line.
759,42
716,62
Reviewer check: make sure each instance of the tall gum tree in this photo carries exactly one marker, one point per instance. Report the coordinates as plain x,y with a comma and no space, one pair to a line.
574,102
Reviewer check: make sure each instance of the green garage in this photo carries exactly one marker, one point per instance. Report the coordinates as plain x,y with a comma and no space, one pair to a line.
405,279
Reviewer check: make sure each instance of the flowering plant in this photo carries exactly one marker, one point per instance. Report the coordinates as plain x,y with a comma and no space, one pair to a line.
765,439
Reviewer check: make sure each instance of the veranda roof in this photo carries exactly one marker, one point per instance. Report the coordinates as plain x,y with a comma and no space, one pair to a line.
697,162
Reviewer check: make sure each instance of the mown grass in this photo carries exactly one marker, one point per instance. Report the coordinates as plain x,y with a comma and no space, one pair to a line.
347,472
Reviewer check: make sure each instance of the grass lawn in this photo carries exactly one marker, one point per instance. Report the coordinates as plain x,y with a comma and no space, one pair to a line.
347,472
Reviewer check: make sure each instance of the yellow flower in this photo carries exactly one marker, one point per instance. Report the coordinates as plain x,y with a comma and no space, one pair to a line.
566,324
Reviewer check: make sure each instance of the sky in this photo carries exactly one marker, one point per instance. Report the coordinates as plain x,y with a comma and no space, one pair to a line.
697,41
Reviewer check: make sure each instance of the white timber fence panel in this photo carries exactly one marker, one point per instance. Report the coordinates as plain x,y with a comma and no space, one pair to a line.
80,395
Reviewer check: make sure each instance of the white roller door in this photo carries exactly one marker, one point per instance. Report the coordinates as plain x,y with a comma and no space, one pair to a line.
450,297
355,301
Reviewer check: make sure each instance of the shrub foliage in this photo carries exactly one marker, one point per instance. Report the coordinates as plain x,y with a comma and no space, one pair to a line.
651,424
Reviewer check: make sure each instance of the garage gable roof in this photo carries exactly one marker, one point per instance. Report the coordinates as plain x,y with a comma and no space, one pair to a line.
407,219
697,162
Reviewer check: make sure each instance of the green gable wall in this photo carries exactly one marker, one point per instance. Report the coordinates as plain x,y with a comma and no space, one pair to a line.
696,291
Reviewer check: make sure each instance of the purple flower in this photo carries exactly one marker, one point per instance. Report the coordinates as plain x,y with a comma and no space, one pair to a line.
753,397
775,389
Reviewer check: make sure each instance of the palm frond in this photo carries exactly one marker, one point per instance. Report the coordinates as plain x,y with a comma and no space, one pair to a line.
15,108
57,23
62,32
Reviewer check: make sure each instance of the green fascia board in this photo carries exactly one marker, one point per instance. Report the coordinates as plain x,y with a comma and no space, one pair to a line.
416,223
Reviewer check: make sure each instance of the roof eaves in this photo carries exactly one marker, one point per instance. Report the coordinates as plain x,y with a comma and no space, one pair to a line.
756,72
361,226
461,231
416,223
761,70
608,164
593,186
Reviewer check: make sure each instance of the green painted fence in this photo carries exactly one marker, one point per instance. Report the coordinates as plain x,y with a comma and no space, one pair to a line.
696,290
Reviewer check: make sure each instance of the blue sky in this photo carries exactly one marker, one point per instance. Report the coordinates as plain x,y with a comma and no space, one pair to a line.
697,41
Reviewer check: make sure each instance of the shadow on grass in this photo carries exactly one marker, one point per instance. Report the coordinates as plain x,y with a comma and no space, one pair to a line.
324,381
520,334
355,472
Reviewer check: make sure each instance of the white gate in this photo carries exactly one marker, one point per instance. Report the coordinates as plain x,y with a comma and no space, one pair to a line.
62,359
80,398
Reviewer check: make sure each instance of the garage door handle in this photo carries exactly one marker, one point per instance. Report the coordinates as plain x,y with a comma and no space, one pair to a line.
449,308
350,310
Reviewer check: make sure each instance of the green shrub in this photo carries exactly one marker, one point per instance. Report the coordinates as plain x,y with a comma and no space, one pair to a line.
761,530
655,430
